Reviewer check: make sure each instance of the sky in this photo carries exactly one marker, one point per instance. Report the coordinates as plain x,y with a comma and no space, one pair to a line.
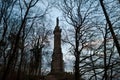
54,13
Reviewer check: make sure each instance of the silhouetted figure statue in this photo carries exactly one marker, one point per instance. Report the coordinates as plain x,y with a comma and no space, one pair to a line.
57,21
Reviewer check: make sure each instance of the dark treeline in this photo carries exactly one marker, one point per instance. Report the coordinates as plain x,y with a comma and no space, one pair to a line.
93,36
23,38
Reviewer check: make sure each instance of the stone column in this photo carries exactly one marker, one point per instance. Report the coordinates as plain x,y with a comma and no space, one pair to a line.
57,57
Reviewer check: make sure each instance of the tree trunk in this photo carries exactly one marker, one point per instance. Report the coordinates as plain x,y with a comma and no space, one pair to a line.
77,73
105,56
77,56
19,67
110,27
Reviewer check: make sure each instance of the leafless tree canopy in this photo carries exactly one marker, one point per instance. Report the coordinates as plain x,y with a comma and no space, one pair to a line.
91,35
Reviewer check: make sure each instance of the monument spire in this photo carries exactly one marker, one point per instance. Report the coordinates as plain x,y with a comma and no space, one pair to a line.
57,64
57,57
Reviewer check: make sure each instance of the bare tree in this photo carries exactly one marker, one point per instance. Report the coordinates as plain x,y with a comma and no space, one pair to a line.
77,17
110,26
39,42
15,31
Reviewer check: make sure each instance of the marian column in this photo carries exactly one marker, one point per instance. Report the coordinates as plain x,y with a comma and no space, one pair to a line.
57,57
